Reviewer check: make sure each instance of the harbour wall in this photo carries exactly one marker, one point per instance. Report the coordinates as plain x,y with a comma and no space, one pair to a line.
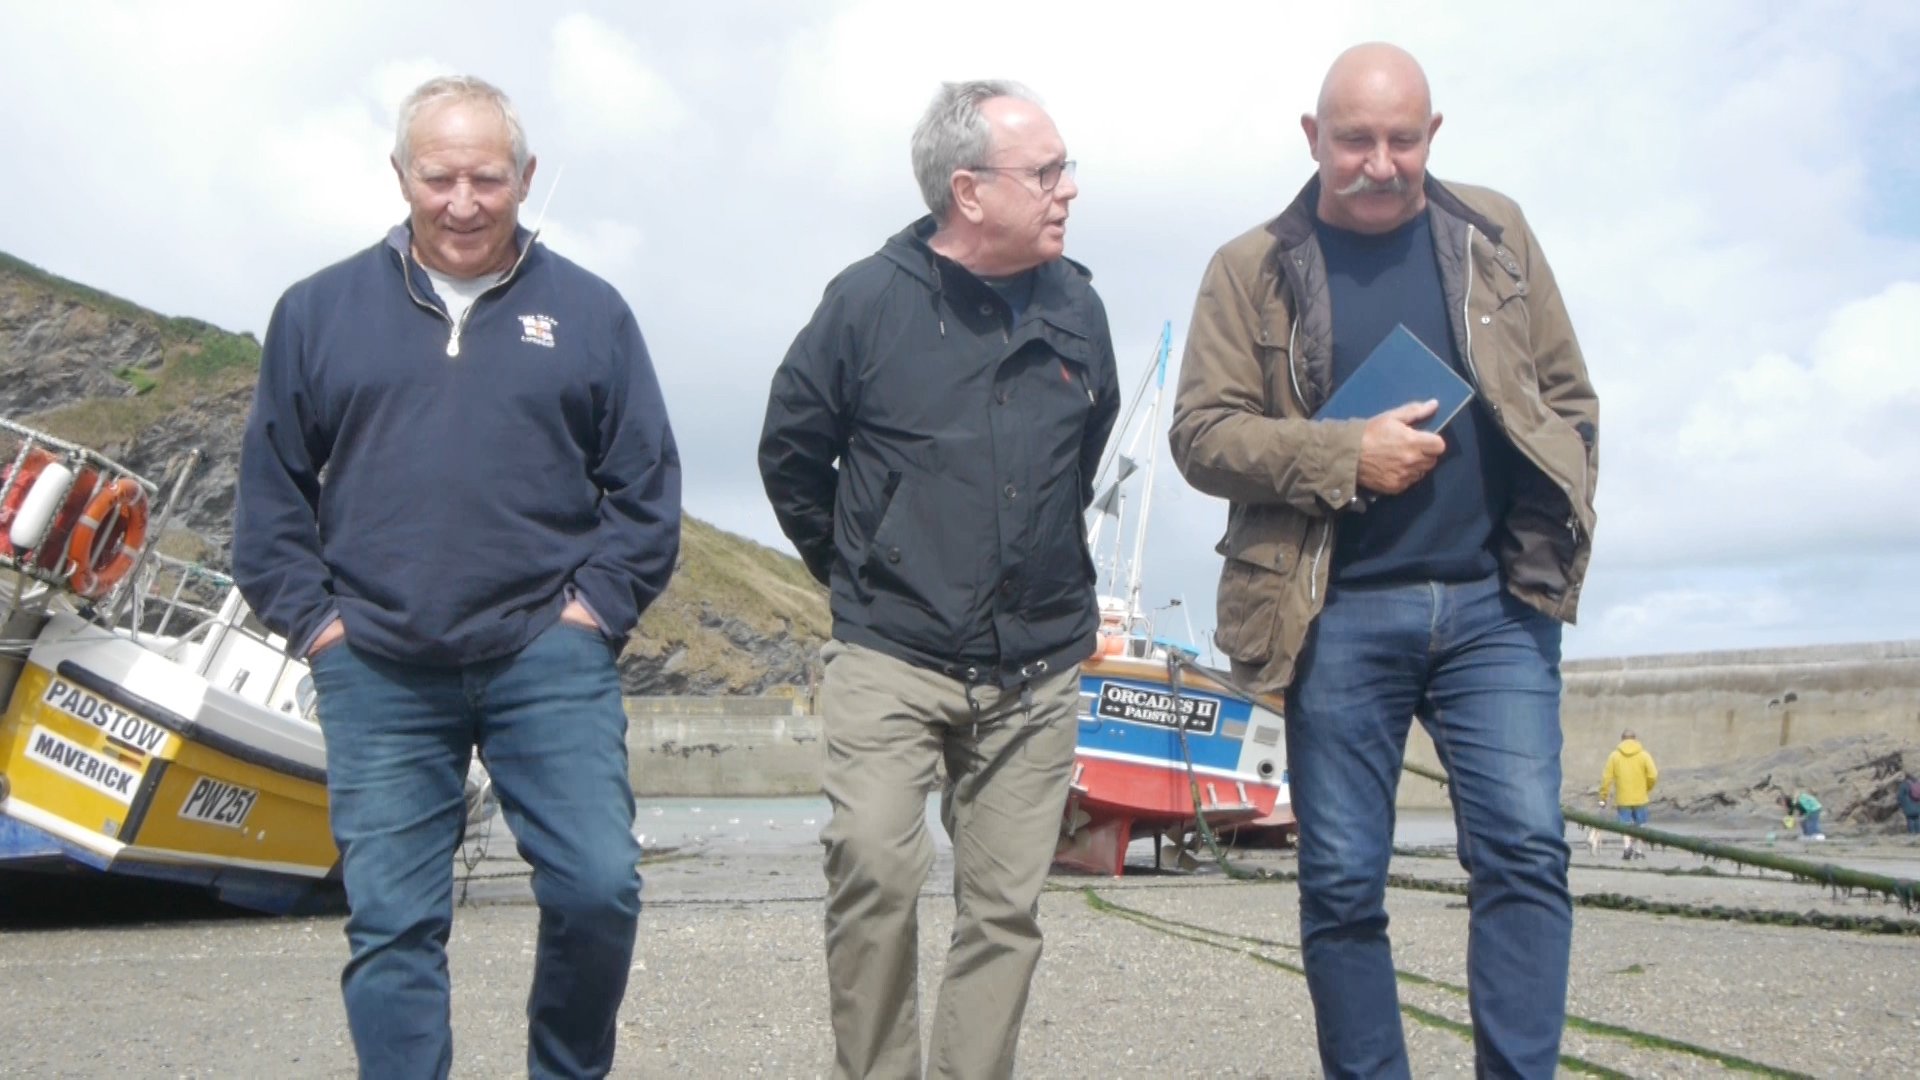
1693,709
1689,709
722,746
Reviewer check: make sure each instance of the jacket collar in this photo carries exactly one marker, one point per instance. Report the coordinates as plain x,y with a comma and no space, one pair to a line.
1056,284
400,242
1295,224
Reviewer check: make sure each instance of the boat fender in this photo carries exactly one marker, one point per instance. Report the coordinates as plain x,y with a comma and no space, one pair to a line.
36,511
119,515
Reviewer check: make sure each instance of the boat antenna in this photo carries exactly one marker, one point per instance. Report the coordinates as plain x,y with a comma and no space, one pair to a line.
540,220
1126,424
1146,489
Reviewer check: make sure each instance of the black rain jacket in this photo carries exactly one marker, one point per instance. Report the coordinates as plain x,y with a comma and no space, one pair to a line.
932,460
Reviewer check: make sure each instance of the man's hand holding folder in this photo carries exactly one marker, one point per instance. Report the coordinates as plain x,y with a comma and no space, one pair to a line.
1394,453
1401,443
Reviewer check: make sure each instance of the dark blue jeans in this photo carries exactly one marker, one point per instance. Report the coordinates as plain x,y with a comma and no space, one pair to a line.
1810,824
549,725
1482,671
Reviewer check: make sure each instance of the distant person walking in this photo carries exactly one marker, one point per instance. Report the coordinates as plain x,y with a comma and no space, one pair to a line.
929,448
1628,780
1909,793
1805,809
458,493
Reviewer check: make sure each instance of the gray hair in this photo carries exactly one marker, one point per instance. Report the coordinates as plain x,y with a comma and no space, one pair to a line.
952,135
460,88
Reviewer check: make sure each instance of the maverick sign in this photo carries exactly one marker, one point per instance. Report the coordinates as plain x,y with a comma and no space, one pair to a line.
107,777
1156,707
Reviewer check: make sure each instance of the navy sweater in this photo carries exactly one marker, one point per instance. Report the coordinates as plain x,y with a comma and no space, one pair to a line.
1444,527
473,481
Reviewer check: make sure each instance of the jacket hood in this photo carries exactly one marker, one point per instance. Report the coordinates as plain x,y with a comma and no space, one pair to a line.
1055,288
1630,747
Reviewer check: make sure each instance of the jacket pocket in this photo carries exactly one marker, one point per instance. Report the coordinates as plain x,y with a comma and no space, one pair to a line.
1274,339
1248,610
876,526
1262,549
1538,549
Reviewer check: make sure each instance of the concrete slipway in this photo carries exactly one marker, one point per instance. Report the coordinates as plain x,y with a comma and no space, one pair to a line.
1154,975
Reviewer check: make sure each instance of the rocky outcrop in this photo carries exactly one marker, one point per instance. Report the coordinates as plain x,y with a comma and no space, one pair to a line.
211,423
1855,777
56,351
672,667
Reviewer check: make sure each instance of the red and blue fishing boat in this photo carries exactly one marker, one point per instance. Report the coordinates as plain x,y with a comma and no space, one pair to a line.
1134,775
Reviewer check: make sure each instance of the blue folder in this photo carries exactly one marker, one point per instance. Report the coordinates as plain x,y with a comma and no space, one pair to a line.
1399,371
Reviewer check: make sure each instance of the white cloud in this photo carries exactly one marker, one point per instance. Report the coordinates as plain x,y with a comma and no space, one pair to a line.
1723,613
1783,454
603,245
331,162
604,87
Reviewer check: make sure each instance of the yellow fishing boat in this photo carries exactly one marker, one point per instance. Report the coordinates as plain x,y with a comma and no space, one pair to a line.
153,727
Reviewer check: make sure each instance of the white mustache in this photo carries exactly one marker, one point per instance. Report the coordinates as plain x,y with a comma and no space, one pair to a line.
1367,185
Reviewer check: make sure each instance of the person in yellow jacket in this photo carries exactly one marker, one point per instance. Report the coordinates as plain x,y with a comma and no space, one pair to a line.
1628,780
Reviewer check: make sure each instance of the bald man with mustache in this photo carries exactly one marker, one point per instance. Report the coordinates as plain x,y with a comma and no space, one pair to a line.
1377,570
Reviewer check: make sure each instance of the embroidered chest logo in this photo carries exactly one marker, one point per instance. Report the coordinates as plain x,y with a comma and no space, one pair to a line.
538,329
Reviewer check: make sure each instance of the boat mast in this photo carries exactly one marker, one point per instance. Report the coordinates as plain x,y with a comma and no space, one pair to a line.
1146,489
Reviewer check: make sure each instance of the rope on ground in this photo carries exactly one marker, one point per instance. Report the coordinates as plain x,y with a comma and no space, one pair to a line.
1838,878
1247,945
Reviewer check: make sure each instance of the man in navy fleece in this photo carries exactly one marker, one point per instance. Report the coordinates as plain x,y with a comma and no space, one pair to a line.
458,493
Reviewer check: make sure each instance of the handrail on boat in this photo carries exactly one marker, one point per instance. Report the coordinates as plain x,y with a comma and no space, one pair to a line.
105,470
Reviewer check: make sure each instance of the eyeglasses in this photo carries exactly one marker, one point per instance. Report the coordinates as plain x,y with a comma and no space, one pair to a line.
1047,176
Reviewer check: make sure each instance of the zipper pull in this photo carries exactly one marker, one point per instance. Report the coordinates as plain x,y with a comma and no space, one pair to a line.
453,341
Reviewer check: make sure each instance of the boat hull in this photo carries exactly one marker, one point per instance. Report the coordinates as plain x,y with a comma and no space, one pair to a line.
120,761
1132,776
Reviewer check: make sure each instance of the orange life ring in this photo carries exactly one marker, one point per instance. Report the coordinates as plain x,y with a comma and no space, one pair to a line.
37,459
120,510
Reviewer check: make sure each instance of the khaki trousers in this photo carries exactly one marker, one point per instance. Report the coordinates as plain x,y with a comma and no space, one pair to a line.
887,723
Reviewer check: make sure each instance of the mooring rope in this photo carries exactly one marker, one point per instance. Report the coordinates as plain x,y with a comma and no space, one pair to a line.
1837,878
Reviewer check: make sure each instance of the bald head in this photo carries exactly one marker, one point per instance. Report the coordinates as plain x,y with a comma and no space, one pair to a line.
1371,132
1375,71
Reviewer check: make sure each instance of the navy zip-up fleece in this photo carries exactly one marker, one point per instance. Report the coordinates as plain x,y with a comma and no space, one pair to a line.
474,477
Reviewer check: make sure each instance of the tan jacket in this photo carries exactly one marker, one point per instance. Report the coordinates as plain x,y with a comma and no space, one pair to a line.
1259,362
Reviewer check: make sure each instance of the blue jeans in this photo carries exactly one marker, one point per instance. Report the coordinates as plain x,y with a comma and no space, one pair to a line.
1482,671
1632,815
1810,824
549,725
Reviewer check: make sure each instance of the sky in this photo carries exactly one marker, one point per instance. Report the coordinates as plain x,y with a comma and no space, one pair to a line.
1729,195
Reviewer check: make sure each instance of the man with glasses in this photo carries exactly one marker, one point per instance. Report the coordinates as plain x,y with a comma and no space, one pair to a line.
929,448
1377,571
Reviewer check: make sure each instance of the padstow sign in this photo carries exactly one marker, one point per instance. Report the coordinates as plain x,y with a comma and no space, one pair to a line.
1156,708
